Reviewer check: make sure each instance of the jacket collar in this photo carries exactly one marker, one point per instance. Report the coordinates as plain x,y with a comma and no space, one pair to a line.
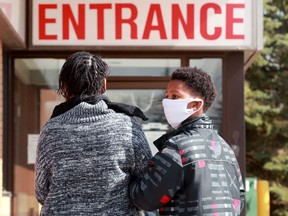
93,99
201,121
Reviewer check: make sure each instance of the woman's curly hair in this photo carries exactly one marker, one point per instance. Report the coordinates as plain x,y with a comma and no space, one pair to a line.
199,82
82,74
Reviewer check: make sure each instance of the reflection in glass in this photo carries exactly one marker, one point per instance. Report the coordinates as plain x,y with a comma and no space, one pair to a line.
44,72
142,67
149,101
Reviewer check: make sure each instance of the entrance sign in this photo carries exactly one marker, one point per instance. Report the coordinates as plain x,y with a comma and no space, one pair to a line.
170,23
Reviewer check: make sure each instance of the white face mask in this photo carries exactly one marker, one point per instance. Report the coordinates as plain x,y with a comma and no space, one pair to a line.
176,110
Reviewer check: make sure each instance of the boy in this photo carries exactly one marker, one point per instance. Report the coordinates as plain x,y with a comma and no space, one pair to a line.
195,171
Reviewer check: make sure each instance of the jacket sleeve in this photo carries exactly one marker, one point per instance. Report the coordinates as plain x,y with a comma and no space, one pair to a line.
162,180
42,170
241,188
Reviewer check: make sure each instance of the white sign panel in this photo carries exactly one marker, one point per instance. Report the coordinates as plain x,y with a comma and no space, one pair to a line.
32,148
172,23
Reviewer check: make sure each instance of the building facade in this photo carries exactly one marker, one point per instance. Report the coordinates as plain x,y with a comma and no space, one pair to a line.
142,41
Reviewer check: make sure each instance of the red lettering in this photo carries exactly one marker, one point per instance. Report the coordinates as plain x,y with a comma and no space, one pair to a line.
43,21
188,26
230,20
204,19
100,18
155,9
67,15
182,21
119,20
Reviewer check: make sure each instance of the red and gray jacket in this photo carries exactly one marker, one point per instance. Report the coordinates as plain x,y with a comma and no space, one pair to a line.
195,172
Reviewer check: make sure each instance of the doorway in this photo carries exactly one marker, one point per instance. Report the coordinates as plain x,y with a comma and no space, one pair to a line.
137,81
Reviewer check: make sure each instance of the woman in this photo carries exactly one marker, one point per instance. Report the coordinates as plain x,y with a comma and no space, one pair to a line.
90,148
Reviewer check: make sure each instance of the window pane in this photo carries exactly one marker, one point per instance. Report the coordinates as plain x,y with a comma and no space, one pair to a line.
39,72
150,102
142,67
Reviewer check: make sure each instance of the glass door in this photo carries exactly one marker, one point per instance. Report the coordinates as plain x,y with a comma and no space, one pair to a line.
149,101
137,81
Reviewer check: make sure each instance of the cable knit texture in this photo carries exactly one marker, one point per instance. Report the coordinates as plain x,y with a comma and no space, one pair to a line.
85,160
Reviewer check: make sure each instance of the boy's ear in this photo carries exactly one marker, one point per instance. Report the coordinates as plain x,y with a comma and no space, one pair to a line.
194,105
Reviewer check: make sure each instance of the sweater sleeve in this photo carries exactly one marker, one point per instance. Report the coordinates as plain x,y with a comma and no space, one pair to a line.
160,183
42,169
142,151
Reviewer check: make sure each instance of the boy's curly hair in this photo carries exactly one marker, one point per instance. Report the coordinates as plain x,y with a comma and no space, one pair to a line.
199,82
82,73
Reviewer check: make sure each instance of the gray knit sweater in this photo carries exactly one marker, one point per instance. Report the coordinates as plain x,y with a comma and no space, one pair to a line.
85,160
